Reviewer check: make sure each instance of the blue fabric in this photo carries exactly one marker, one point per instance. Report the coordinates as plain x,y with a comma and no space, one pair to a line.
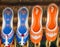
3,40
18,39
22,29
11,39
25,39
6,16
7,29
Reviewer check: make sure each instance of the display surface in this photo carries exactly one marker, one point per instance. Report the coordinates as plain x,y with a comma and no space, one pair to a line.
29,5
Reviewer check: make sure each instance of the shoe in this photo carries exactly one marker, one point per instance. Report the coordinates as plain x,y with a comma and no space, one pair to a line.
22,34
52,22
7,32
36,25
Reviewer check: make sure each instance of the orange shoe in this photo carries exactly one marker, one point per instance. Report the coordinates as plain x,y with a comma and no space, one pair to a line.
52,22
36,25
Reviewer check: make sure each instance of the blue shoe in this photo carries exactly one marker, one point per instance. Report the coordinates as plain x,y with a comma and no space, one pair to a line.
7,32
22,27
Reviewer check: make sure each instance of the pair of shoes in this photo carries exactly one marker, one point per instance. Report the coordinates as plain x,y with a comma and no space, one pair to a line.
7,32
36,32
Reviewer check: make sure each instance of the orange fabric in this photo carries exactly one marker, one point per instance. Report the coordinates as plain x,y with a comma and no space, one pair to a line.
52,12
51,38
36,15
38,40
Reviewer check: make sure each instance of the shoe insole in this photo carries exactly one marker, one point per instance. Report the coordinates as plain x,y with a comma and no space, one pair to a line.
22,15
36,16
7,18
52,17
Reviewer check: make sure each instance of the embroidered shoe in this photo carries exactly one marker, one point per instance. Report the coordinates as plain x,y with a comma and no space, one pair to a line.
52,22
36,25
22,27
7,32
